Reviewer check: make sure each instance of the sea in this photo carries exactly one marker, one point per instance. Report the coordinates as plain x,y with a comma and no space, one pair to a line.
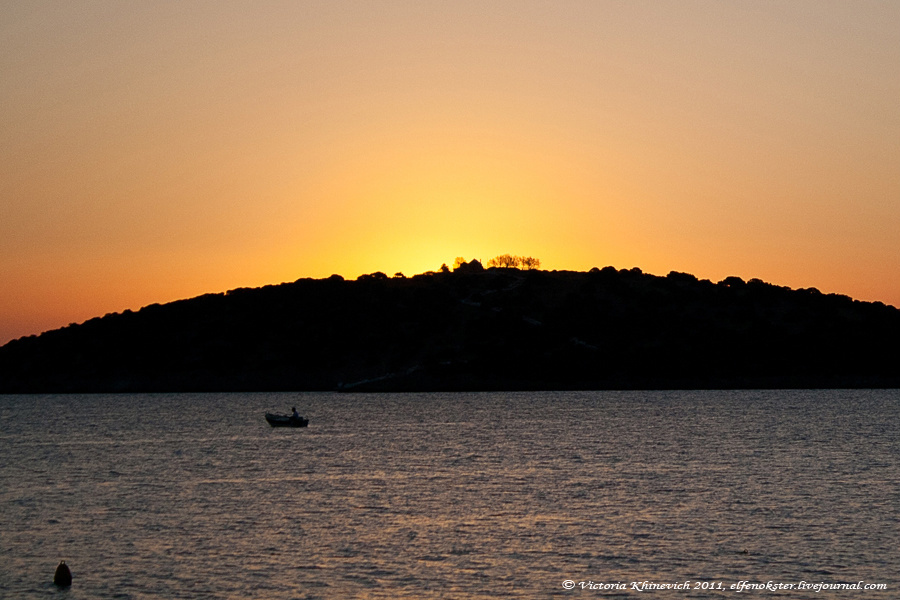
638,494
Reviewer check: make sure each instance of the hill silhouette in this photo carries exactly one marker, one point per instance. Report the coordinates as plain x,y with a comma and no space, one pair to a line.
473,329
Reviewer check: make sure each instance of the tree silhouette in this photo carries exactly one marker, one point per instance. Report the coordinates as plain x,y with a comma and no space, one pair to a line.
510,261
529,263
504,261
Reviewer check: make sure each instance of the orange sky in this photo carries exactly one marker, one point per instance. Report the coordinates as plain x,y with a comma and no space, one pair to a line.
161,150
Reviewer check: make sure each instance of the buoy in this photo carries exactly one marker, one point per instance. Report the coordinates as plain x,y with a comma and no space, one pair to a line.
63,576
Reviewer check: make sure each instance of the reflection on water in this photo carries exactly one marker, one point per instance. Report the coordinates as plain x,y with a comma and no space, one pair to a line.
449,495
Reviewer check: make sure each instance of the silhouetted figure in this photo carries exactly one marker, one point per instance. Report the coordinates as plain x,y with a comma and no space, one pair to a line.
63,576
294,414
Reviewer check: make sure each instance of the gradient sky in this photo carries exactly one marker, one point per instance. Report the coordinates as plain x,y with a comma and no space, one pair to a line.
151,151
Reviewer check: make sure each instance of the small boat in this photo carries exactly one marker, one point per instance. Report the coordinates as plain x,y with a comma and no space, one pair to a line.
285,421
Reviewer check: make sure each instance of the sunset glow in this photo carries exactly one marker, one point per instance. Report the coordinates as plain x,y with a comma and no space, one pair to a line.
157,151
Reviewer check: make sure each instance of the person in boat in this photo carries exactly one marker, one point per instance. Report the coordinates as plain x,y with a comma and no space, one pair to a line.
295,416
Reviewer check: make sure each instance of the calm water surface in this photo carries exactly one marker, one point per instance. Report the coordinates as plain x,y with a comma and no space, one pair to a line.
450,495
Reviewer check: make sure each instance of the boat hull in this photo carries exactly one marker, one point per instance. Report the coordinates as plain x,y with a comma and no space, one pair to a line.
285,421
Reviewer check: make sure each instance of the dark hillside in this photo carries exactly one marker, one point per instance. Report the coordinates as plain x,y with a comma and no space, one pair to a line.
493,329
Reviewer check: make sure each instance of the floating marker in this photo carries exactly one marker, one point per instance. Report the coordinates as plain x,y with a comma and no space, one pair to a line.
63,576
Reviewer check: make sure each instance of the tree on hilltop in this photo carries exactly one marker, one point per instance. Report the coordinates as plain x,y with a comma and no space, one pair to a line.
509,261
504,261
529,262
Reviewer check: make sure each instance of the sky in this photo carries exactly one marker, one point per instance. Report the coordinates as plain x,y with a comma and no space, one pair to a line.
153,151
